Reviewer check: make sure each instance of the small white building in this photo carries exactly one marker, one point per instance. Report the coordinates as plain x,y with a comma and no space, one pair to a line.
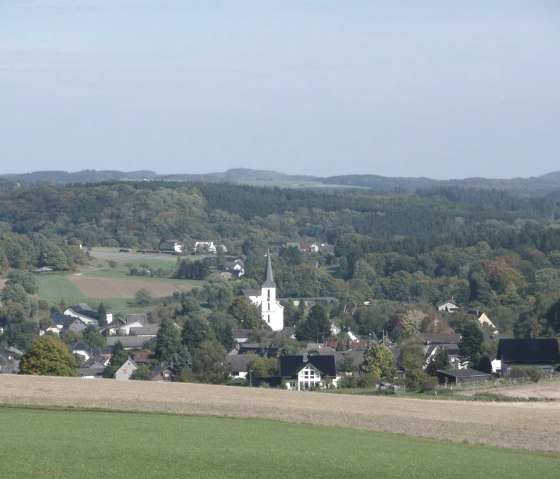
448,307
126,370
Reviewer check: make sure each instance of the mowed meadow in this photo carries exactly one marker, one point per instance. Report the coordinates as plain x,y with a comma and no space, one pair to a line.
76,428
98,444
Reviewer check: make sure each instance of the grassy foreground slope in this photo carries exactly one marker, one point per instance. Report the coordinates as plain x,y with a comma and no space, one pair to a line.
96,444
515,425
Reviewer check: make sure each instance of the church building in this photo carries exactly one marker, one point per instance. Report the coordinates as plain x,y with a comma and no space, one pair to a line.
272,312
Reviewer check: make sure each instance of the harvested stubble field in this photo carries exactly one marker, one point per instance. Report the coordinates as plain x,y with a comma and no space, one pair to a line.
524,425
545,390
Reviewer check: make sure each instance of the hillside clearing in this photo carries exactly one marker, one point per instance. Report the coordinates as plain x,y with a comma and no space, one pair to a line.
533,426
122,288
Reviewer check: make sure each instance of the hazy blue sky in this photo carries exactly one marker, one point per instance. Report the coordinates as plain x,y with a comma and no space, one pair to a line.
444,89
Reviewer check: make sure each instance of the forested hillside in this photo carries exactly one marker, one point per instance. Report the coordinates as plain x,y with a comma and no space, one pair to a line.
487,249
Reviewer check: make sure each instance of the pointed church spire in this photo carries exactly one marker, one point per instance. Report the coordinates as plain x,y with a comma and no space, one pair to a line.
268,278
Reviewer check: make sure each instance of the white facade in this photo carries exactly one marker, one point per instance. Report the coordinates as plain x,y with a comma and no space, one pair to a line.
272,312
126,370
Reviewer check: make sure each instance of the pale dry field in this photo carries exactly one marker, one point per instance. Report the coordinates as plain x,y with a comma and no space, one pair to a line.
120,288
542,390
529,425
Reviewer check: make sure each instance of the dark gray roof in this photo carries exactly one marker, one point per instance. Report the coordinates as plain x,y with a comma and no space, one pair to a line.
129,341
268,278
252,292
147,330
240,362
440,338
529,351
463,373
82,346
291,365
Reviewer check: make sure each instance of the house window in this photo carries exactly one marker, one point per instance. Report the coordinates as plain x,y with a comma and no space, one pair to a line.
268,295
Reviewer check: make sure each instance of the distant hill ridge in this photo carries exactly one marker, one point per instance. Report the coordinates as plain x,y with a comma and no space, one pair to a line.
540,185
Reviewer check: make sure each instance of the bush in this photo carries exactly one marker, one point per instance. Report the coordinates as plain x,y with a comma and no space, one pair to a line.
429,384
348,382
367,380
532,374
414,379
535,374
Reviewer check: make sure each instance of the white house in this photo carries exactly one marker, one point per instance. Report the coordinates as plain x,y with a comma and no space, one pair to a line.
484,320
306,372
126,370
272,312
448,307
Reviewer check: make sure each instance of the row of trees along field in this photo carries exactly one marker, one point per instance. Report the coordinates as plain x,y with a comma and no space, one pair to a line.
400,252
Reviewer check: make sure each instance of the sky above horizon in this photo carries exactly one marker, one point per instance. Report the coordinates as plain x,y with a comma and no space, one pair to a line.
438,89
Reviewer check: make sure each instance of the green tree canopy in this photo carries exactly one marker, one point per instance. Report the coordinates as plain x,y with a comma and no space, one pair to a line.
471,346
208,363
48,356
378,361
245,313
143,297
25,278
168,340
316,327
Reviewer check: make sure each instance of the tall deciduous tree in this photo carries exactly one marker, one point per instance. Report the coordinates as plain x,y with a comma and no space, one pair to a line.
48,356
245,313
168,340
102,312
209,362
316,327
471,346
378,361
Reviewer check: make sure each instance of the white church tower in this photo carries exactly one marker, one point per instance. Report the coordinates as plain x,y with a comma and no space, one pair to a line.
272,312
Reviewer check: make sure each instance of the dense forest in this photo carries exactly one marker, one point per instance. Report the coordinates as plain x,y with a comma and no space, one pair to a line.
400,252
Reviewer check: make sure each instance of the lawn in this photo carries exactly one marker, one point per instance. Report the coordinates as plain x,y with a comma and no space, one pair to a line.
62,443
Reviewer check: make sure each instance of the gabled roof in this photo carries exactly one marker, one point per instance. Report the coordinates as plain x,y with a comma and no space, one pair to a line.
85,310
290,366
240,362
529,351
82,346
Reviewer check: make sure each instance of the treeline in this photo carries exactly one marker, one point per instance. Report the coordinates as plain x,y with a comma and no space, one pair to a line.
31,251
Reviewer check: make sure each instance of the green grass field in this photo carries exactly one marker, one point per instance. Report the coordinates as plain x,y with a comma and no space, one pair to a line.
55,287
39,443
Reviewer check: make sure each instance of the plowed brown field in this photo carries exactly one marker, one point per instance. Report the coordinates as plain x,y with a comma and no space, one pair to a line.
528,425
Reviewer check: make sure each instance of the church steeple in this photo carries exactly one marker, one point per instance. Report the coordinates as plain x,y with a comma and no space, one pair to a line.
268,278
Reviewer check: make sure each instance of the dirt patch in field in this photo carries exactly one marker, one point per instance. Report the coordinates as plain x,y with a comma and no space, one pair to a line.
120,288
516,425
